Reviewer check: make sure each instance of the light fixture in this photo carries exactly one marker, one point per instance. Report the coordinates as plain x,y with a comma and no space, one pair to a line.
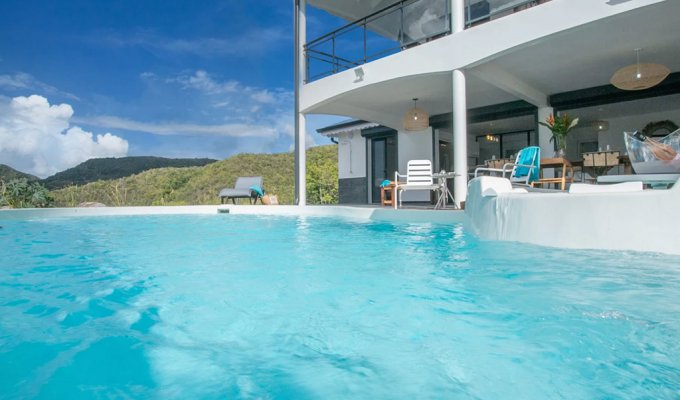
601,126
358,74
491,138
639,76
416,119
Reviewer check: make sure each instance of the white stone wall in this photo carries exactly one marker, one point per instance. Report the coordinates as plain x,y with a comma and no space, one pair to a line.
613,137
414,146
351,155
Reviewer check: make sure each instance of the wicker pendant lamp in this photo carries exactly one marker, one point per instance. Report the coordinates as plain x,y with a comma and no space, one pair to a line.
416,119
639,76
601,125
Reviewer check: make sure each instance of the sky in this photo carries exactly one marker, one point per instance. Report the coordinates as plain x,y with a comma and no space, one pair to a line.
182,78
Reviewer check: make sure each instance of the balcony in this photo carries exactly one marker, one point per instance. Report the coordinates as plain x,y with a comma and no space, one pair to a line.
400,26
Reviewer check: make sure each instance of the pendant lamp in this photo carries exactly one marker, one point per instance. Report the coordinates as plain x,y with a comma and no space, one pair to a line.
416,119
601,125
639,76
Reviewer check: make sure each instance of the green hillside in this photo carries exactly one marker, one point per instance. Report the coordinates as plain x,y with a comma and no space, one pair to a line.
113,168
8,173
200,185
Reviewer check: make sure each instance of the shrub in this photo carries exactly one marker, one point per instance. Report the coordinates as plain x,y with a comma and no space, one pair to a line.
21,193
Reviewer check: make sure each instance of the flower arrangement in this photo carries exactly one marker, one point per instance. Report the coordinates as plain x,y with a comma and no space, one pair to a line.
560,127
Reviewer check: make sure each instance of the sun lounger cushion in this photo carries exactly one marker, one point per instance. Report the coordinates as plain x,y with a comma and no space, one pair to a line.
235,193
615,188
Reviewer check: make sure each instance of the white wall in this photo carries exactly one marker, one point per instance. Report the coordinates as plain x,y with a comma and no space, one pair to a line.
611,221
414,146
351,155
613,137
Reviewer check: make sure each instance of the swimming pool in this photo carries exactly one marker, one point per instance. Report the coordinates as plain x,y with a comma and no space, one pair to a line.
242,306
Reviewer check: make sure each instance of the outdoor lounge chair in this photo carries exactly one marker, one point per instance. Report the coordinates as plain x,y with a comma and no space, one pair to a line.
524,170
418,177
246,187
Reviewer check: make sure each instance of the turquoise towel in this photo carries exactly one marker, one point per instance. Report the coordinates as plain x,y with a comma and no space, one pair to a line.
528,156
257,190
385,183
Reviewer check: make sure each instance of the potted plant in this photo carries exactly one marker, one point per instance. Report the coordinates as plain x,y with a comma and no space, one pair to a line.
560,127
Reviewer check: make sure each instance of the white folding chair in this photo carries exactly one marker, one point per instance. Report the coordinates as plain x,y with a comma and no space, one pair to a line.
418,177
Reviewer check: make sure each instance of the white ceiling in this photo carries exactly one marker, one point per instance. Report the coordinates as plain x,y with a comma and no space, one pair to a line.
589,55
575,59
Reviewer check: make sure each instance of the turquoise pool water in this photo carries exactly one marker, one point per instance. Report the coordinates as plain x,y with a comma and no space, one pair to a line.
229,306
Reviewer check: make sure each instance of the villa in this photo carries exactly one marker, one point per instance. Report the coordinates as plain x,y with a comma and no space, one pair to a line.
529,293
484,73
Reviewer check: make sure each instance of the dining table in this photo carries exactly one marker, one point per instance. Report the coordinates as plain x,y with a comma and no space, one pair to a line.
444,194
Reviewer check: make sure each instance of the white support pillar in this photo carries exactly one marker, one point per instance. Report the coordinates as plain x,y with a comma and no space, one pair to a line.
302,161
457,15
300,126
459,95
544,134
459,137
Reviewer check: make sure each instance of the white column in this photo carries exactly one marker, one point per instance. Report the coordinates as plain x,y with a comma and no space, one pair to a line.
459,137
457,15
544,134
302,161
459,148
300,125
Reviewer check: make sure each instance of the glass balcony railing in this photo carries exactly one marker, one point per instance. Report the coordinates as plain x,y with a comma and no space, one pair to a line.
480,11
402,25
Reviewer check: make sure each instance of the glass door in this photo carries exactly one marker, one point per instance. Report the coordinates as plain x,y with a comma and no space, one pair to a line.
445,163
383,163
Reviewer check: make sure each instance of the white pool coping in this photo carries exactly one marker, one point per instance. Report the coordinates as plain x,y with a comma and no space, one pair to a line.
363,213
617,218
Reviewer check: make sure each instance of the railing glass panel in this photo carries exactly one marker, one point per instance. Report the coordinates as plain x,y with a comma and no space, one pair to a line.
402,25
480,11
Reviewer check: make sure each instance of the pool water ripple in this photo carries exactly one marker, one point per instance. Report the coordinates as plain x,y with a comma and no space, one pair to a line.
233,306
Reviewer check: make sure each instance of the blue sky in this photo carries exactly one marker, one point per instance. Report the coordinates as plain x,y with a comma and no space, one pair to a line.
83,78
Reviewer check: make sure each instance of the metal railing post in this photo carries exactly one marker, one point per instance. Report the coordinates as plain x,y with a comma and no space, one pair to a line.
401,24
334,59
469,14
449,16
365,44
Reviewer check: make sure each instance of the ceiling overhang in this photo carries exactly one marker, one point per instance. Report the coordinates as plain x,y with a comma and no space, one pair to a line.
583,57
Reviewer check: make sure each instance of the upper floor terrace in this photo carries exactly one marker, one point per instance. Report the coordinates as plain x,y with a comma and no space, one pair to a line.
377,30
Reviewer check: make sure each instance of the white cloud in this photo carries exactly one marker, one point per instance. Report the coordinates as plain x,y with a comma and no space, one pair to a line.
38,138
23,81
263,96
202,82
254,41
232,130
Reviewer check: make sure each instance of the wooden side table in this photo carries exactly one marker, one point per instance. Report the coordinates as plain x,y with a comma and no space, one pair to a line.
386,200
556,163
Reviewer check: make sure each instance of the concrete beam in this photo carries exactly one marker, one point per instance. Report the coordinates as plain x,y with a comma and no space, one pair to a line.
509,83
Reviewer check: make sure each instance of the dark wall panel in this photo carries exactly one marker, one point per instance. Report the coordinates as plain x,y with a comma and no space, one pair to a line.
353,190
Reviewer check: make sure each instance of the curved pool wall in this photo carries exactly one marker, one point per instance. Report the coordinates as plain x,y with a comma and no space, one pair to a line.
641,221
647,220
365,213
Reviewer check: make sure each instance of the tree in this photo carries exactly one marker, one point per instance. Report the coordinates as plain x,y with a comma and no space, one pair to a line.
21,193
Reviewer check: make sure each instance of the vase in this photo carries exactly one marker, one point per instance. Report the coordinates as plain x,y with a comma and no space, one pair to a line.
560,145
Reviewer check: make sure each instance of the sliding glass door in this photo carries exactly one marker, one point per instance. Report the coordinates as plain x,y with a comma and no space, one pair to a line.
383,163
